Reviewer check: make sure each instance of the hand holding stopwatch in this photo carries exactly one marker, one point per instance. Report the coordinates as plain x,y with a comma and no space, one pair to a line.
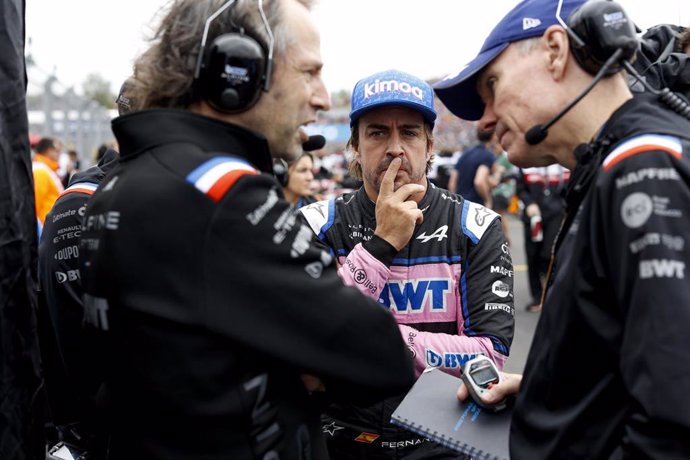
479,375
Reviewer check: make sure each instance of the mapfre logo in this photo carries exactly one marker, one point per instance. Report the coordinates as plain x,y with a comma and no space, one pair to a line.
502,270
387,86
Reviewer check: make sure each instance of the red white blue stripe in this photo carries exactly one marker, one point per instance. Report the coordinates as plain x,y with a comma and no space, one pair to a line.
641,144
81,187
216,176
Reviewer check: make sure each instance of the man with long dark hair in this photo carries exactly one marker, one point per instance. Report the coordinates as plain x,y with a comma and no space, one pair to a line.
217,315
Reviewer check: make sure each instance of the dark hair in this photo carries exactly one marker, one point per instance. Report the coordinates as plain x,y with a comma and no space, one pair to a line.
304,154
355,169
45,144
101,151
484,136
163,75
684,41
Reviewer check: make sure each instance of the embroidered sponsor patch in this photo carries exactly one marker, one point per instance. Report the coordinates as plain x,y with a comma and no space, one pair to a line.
475,220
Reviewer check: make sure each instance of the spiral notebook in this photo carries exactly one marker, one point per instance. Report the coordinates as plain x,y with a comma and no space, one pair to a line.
431,409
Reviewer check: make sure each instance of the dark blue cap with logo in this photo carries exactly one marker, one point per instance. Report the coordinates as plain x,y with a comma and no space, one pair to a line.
530,18
393,87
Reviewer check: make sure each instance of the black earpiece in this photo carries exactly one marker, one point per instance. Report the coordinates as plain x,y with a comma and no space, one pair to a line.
234,69
280,170
602,40
597,29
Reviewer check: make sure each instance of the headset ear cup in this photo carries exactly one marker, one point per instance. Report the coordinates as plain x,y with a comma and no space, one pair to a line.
233,73
603,27
280,170
229,98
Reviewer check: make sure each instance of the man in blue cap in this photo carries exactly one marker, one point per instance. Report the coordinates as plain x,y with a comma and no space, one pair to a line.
609,367
438,263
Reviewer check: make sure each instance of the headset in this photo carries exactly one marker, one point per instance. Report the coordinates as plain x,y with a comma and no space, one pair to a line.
280,166
232,73
280,170
603,41
598,29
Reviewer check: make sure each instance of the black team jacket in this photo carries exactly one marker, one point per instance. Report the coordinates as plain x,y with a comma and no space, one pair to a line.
212,300
608,371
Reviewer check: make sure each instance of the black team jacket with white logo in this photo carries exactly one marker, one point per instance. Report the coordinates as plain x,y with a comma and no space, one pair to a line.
68,362
212,301
608,372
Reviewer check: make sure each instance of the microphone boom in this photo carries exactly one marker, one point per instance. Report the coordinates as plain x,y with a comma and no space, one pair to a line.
315,142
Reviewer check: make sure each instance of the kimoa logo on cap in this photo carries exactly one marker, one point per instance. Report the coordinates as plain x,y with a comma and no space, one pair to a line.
530,23
371,89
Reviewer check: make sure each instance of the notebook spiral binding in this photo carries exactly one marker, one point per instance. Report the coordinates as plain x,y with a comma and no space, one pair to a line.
464,448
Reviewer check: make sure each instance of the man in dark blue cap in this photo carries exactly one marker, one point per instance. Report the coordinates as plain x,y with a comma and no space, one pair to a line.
609,367
438,263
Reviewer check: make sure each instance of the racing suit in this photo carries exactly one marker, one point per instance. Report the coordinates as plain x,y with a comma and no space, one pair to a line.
211,301
450,289
68,362
608,371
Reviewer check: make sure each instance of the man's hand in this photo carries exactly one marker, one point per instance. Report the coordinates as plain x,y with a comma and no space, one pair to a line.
396,215
510,385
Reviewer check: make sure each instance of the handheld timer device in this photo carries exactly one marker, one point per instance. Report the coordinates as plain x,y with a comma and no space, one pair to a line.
479,374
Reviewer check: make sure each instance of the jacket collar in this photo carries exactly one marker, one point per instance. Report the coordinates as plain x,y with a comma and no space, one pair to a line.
96,173
141,131
46,161
644,113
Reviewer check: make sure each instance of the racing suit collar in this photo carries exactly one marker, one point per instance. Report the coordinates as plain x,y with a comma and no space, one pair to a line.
369,207
141,131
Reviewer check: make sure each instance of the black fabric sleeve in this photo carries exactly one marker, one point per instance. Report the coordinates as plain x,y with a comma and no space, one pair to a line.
381,249
291,305
643,207
489,294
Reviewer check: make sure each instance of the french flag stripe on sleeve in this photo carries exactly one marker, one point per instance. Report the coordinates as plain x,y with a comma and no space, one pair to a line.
641,144
81,187
216,176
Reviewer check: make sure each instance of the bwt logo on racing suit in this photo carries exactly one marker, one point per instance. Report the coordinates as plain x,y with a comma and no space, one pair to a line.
411,296
371,89
448,360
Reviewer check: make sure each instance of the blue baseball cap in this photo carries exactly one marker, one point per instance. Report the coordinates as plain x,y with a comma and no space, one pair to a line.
393,87
530,18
